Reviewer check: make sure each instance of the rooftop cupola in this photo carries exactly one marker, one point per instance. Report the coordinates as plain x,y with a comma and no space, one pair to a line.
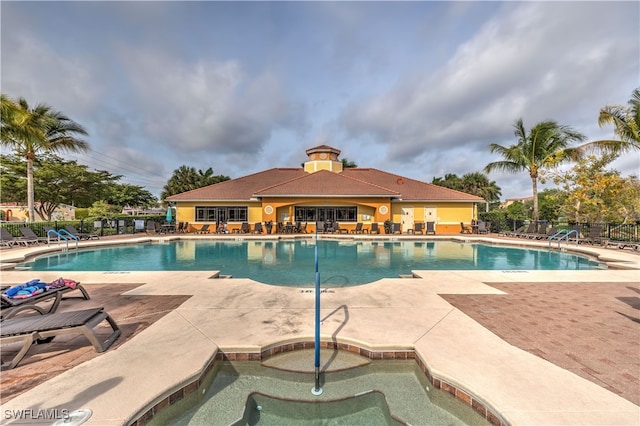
323,157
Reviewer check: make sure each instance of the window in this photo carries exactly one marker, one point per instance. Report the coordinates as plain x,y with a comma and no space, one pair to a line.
221,214
326,214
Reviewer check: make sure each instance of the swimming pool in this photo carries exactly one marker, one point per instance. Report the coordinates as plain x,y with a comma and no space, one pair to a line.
292,263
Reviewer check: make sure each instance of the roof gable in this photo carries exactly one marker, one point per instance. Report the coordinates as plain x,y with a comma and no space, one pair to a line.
324,183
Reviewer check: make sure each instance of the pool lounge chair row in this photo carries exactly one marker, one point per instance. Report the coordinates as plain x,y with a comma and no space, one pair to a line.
29,237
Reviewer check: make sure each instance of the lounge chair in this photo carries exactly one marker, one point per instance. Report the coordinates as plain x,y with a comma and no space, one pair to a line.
80,235
417,228
11,306
575,234
594,236
375,229
340,230
27,330
257,228
303,228
532,229
245,228
204,229
465,229
550,232
30,236
431,228
514,233
9,240
6,238
357,229
320,227
396,228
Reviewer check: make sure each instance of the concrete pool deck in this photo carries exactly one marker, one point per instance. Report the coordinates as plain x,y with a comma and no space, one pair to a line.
239,315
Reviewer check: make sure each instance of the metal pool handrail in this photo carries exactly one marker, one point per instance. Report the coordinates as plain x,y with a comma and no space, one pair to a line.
561,235
60,236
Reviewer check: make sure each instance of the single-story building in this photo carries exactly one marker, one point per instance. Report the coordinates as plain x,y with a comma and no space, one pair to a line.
18,212
322,190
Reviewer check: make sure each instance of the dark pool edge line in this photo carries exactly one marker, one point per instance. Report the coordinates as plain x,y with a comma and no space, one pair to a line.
480,406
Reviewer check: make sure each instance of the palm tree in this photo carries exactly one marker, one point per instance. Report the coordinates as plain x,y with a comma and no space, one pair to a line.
479,184
626,123
32,131
547,144
187,178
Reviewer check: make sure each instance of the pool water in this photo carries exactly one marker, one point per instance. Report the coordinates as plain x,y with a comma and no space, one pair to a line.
403,396
292,263
366,409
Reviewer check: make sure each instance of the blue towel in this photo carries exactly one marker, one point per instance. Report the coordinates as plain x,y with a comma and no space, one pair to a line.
22,287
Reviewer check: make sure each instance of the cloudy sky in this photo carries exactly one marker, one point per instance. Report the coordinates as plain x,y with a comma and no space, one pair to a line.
414,88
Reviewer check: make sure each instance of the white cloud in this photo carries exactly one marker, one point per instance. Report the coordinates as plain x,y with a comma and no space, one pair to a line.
41,74
207,105
532,60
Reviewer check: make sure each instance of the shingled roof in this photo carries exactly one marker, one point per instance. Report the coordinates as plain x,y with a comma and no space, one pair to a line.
351,182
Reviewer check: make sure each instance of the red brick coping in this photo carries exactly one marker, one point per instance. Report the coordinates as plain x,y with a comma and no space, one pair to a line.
479,406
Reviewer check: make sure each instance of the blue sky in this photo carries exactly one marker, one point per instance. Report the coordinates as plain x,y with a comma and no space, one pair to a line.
414,88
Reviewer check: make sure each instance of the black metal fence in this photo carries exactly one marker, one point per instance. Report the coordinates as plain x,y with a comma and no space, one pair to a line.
622,232
627,232
102,227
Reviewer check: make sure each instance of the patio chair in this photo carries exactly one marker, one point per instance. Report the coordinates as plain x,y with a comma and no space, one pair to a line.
544,231
80,235
375,229
9,240
357,229
30,236
483,227
465,229
431,228
320,227
245,228
396,228
11,306
594,236
204,229
417,228
257,228
531,230
340,230
514,233
27,330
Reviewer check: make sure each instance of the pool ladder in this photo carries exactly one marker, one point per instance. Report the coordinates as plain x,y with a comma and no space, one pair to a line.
61,236
563,234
